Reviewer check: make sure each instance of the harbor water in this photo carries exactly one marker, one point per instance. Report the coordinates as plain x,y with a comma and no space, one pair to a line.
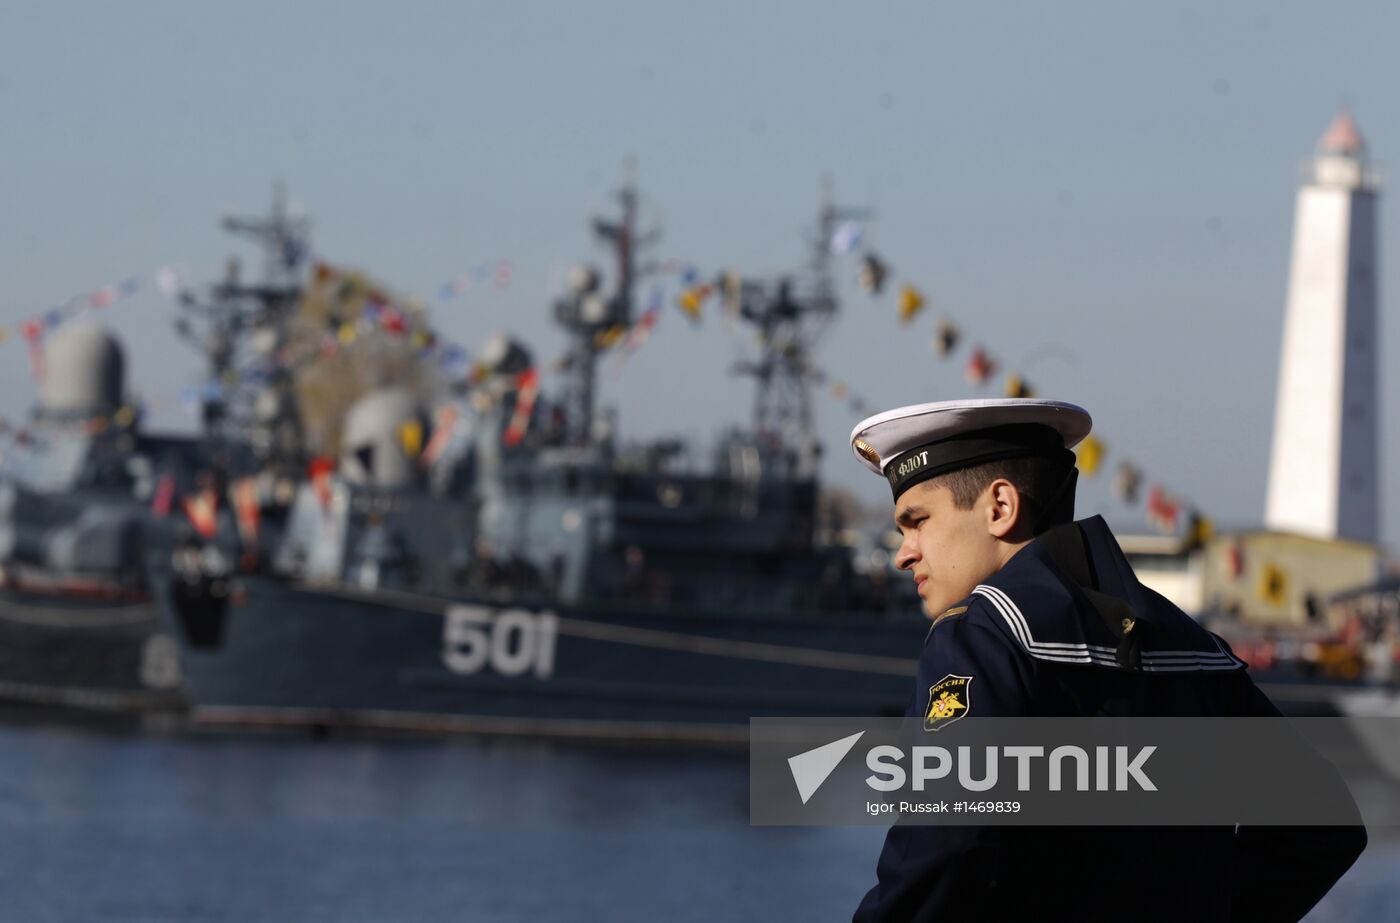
125,826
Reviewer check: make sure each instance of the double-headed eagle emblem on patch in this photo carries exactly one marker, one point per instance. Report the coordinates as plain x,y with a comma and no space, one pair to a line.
949,699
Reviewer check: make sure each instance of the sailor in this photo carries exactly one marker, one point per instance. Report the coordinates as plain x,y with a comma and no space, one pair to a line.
1037,615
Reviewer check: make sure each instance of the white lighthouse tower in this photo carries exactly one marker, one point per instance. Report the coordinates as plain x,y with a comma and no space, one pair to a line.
1324,472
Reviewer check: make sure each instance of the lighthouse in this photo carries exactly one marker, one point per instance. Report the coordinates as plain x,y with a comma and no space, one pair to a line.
1324,469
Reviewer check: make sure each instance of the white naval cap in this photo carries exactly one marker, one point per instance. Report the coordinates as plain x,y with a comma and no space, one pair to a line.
912,444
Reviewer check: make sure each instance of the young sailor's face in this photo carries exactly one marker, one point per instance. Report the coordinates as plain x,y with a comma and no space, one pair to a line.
947,550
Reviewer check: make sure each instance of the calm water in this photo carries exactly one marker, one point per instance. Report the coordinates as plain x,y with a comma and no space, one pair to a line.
132,827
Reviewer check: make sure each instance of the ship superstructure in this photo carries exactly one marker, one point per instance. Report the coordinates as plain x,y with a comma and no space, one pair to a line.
552,576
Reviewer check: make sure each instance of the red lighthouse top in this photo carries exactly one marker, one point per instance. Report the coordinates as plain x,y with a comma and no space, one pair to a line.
1342,137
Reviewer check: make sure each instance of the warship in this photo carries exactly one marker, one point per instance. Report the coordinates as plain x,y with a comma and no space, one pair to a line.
534,573
79,623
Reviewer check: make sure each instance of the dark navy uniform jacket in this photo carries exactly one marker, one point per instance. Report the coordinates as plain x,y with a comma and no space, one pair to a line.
1045,636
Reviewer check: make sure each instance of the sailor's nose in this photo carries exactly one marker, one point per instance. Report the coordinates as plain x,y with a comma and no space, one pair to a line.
908,554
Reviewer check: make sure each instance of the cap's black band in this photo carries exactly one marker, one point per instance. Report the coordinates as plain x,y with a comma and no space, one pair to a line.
1000,443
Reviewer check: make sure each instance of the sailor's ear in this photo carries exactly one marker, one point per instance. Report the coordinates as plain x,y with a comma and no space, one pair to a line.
1003,507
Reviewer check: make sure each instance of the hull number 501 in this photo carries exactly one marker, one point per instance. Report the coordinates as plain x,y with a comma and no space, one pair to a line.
512,643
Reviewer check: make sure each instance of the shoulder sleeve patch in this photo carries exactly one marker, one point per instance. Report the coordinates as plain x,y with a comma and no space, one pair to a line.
949,700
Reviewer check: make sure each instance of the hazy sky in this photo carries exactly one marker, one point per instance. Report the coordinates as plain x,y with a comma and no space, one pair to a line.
1099,193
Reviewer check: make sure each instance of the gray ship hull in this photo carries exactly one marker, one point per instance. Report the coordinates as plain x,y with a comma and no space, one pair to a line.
288,654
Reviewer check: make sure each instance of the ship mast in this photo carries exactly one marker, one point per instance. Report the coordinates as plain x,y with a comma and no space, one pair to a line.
791,318
590,315
260,408
284,239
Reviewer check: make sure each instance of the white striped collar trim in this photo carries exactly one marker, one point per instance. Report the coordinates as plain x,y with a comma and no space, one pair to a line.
1102,655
